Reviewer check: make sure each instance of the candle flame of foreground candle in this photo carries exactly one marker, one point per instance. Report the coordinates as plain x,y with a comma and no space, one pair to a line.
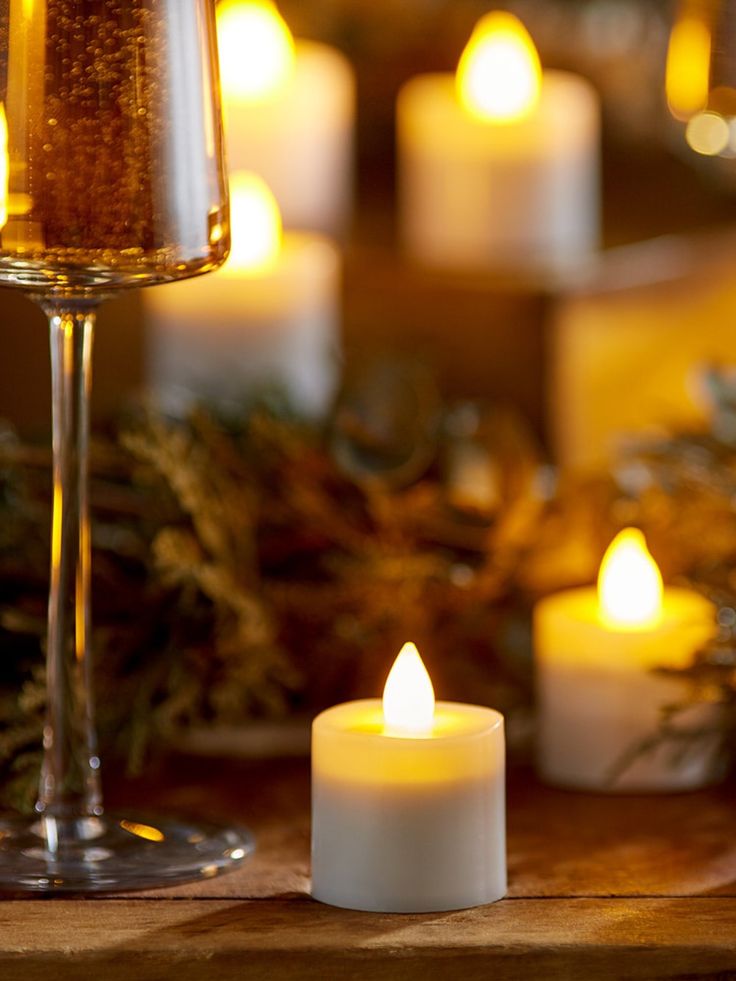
499,75
256,50
255,226
688,66
4,166
629,584
408,697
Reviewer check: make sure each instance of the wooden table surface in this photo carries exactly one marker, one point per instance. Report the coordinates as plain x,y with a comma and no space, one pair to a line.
600,887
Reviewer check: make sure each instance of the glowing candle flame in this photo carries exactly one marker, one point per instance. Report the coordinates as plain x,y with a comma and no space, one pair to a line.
499,75
255,226
629,584
256,50
688,65
408,698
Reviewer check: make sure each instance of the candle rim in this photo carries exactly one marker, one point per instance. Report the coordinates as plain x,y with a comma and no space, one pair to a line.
568,104
566,601
329,719
554,79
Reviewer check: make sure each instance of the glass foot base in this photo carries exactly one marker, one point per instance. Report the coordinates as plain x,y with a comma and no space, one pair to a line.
116,852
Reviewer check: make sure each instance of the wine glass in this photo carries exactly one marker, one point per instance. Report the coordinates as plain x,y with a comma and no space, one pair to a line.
111,176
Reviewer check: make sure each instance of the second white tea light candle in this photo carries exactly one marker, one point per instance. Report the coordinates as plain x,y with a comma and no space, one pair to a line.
599,700
408,800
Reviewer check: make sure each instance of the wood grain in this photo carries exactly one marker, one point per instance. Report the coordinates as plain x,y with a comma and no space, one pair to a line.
601,887
560,844
574,939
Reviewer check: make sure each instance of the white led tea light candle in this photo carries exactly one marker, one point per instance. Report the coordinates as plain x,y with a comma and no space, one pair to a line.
408,800
599,699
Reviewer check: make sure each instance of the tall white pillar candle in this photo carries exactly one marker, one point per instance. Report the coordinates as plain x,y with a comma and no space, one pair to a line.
269,317
498,167
289,110
408,800
599,701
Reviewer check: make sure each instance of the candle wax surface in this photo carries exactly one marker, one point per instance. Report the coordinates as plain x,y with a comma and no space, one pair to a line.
563,119
449,720
457,748
570,628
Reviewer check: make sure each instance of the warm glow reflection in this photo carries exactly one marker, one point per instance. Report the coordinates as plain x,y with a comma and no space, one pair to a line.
142,831
688,66
629,584
255,226
708,133
256,49
4,166
499,75
408,697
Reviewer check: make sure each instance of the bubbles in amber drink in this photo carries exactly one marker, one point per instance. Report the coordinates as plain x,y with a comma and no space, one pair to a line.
113,163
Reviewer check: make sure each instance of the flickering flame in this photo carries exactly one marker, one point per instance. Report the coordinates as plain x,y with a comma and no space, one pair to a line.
499,75
4,166
688,64
629,584
256,50
408,698
255,226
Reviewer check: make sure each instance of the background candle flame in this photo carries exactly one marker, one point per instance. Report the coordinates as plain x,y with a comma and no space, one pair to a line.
499,75
688,63
629,584
255,222
408,697
256,49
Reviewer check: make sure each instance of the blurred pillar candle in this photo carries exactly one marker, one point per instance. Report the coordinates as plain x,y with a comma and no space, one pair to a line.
498,166
268,317
598,700
289,114
658,314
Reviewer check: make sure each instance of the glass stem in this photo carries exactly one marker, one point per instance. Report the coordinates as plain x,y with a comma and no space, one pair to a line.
69,798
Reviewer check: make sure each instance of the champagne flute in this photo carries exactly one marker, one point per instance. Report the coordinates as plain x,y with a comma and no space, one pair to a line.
111,176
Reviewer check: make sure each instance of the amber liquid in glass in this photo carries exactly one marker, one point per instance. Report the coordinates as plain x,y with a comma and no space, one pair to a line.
112,167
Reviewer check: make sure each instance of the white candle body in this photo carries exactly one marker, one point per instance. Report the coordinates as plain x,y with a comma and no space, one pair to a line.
300,141
408,824
217,337
517,196
598,700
